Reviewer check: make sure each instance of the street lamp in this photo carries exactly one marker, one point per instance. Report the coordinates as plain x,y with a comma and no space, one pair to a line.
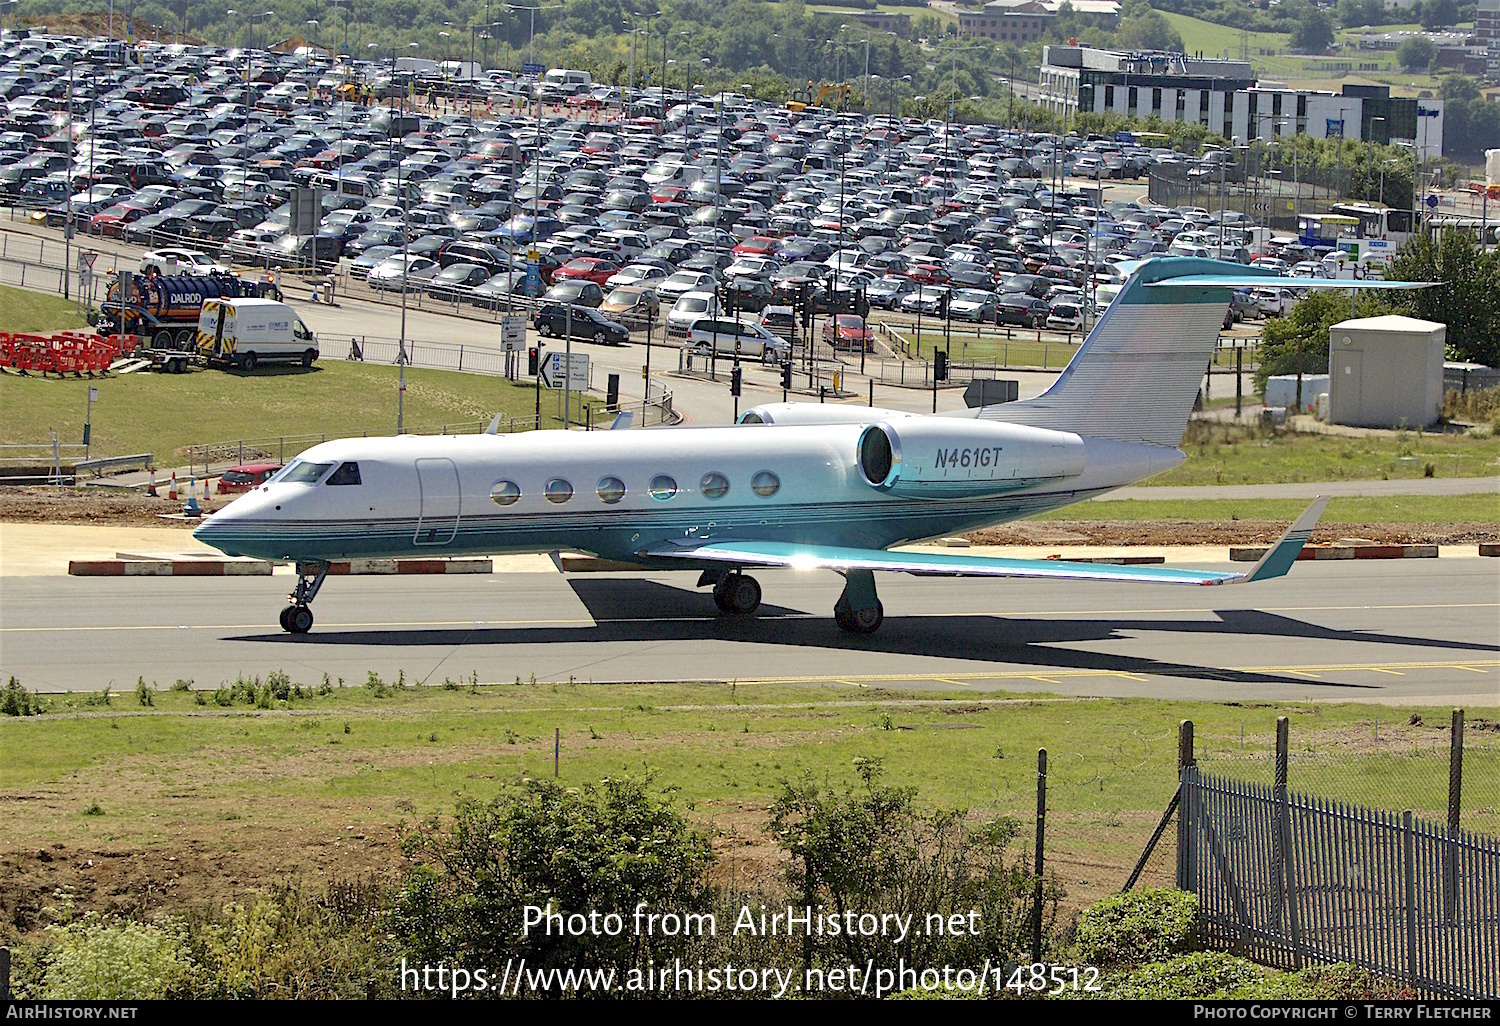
313,24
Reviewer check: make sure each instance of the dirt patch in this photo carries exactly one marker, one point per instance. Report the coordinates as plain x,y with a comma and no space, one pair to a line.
28,505
1224,532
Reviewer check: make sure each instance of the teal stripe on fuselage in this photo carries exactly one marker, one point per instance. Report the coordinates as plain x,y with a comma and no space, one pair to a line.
620,533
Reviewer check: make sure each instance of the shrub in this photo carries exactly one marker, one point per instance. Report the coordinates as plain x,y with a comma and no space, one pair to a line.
1338,982
182,685
294,945
871,847
17,701
1202,974
98,959
604,848
144,693
1138,926
280,685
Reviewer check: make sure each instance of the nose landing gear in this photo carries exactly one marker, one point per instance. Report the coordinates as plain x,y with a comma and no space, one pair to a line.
297,618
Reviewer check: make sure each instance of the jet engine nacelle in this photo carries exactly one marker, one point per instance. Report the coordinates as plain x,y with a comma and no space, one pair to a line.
943,458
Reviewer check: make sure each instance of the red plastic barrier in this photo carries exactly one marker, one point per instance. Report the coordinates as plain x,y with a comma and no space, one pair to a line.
62,352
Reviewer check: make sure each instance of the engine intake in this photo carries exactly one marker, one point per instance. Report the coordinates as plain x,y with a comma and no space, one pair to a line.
942,458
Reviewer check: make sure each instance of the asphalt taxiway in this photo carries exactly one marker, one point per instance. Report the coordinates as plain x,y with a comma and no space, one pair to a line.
1408,630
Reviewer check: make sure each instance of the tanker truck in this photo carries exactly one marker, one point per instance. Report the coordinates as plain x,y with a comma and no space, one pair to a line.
166,308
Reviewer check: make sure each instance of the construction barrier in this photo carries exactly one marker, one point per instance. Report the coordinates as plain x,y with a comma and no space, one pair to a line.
1251,554
403,566
62,352
168,568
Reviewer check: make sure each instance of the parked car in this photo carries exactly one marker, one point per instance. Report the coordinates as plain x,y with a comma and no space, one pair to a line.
727,337
245,477
553,321
1020,308
849,331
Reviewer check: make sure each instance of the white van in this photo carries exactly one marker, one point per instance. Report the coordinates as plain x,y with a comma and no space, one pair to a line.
243,332
570,82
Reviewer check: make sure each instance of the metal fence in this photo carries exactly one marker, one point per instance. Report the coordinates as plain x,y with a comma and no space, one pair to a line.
1288,879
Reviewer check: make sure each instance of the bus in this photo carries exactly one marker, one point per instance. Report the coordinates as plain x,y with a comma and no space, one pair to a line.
1326,229
1378,222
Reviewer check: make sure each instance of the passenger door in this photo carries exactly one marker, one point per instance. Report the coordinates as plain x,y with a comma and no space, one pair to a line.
437,521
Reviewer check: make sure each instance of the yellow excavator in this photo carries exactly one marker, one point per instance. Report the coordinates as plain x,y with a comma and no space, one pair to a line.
804,98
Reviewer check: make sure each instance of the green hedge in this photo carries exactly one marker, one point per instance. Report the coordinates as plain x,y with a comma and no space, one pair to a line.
1137,927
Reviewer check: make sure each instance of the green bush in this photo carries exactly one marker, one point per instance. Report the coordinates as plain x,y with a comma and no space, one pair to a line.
601,848
1338,982
17,701
144,693
1137,927
872,847
99,959
1200,975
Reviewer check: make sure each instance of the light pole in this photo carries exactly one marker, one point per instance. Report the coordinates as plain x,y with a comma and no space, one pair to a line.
312,23
531,46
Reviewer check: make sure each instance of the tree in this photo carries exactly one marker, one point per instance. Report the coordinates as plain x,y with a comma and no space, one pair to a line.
1465,301
1304,331
1149,31
1314,32
1459,87
1438,14
1416,54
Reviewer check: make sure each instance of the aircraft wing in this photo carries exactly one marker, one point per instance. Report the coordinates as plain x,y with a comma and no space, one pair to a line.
1231,281
1275,563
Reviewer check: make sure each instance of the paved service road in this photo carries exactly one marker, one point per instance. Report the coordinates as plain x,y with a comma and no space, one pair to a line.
1312,489
1412,630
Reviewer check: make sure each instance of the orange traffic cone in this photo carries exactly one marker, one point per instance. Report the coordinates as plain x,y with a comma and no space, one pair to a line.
172,488
151,485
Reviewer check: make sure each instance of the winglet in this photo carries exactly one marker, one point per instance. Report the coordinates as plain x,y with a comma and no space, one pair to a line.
494,428
1280,557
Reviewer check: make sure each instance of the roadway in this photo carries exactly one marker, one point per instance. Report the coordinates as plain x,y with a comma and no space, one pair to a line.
1414,630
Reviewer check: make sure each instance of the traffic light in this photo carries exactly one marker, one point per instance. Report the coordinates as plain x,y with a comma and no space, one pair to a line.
734,380
532,358
940,365
786,375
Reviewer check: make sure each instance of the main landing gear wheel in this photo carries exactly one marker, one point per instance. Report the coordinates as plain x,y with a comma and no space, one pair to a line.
737,593
859,588
297,618
862,621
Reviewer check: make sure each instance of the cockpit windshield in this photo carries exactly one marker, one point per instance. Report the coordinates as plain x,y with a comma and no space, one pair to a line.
302,472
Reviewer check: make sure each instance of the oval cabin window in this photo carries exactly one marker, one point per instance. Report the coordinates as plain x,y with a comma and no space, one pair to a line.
765,484
663,487
557,491
505,493
611,490
714,485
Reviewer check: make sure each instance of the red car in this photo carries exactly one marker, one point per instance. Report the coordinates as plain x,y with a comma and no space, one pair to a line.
759,245
246,477
667,193
111,221
593,269
928,274
848,331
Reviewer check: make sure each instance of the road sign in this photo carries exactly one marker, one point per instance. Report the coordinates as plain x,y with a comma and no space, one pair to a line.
512,333
532,286
532,69
577,371
86,260
1432,201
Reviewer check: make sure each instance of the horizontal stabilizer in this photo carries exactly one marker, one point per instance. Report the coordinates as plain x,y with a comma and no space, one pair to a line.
1275,563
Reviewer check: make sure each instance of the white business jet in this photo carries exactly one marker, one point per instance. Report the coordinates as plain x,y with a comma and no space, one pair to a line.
799,485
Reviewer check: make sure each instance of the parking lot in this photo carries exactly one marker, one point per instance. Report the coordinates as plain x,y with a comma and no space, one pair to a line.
864,243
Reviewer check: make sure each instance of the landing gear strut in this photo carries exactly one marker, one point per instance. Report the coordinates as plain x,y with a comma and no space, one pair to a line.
297,618
734,592
858,609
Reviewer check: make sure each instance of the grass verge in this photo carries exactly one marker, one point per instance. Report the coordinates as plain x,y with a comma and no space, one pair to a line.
1249,454
283,782
24,310
161,413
